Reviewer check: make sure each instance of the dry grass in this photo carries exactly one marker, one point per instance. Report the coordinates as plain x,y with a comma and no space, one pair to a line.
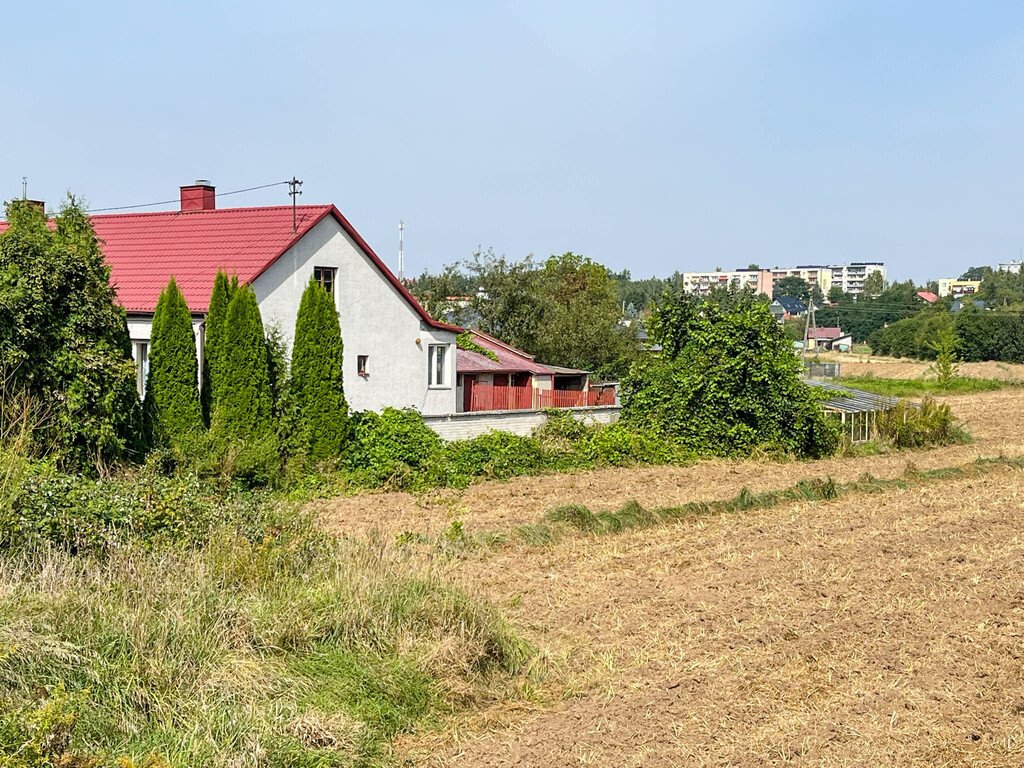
991,417
874,630
901,368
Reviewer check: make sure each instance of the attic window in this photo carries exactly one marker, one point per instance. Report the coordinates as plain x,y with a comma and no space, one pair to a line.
325,276
363,365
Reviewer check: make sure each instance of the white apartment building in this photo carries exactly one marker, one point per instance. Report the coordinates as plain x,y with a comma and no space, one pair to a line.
813,274
849,278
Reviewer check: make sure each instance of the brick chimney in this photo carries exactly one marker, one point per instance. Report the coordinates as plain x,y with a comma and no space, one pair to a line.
201,196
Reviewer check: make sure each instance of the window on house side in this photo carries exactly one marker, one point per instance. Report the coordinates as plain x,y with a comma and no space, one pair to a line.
436,354
362,365
325,276
141,366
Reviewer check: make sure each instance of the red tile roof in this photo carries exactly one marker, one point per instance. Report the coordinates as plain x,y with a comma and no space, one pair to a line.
825,333
510,359
928,296
145,249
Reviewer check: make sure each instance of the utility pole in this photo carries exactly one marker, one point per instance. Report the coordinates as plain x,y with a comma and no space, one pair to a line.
293,190
401,251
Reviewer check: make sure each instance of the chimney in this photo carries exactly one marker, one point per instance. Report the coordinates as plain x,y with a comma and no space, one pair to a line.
201,196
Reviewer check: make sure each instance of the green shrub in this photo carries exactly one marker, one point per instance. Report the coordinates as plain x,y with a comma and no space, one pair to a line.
392,448
494,455
726,384
84,515
172,408
317,384
910,426
621,445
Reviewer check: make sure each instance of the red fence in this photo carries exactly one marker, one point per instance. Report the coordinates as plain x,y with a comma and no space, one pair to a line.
487,397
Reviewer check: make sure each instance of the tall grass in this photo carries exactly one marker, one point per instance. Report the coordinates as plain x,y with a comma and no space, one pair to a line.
958,385
18,417
289,649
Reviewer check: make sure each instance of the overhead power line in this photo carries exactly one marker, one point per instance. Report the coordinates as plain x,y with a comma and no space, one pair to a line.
168,202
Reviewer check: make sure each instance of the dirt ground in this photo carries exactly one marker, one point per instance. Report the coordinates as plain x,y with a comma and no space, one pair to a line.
993,418
873,630
881,629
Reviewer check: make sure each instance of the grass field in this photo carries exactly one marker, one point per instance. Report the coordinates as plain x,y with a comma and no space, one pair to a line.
925,387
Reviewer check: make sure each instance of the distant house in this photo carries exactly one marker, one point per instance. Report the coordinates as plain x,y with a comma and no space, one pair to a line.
829,338
503,378
928,297
786,307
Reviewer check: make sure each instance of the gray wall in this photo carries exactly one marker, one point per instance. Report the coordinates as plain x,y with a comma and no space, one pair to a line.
462,426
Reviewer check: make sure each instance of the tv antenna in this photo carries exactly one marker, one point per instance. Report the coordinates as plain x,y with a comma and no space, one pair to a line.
401,251
24,187
294,191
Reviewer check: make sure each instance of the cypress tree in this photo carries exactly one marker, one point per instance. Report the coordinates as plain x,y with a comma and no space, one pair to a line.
316,375
216,316
244,404
172,396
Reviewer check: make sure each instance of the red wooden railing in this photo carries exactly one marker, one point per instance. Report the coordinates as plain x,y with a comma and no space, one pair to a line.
487,397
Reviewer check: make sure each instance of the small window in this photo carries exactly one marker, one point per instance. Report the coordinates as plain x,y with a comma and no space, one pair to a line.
363,365
325,276
141,366
436,355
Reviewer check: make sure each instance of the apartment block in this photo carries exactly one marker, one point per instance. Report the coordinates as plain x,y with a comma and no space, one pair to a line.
849,278
701,283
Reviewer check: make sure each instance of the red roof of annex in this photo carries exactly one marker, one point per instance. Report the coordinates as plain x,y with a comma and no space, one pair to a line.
145,249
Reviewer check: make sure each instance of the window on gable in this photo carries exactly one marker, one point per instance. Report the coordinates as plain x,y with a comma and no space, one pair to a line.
436,371
363,365
325,276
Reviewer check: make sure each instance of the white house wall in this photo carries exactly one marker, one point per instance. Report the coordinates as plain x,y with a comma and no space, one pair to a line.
375,321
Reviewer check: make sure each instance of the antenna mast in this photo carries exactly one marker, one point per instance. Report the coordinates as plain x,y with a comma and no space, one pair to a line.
293,190
24,187
401,251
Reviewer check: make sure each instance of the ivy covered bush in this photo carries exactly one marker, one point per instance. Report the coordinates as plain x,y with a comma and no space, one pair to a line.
726,383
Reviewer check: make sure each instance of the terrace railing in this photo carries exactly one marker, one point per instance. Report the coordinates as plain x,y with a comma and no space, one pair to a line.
487,397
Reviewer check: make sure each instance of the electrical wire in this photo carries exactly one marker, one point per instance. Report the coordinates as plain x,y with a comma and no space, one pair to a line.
168,202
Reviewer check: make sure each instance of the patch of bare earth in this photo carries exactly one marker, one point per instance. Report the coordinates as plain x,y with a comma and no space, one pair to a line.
873,630
992,417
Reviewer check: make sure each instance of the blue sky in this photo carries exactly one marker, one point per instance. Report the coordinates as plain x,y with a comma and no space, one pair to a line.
650,136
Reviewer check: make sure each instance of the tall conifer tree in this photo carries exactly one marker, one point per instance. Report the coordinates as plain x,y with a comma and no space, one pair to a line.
172,404
244,404
316,375
216,317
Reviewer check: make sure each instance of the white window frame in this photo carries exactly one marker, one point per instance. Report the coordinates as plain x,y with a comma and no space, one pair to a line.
432,367
141,349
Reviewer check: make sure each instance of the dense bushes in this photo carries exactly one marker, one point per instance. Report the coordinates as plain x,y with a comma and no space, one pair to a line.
980,335
63,338
726,383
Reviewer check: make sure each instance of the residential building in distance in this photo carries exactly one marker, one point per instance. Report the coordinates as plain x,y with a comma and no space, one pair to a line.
701,283
949,286
785,307
1010,266
813,274
849,278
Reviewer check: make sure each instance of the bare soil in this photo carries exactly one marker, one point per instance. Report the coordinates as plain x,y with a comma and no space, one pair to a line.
993,418
872,630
